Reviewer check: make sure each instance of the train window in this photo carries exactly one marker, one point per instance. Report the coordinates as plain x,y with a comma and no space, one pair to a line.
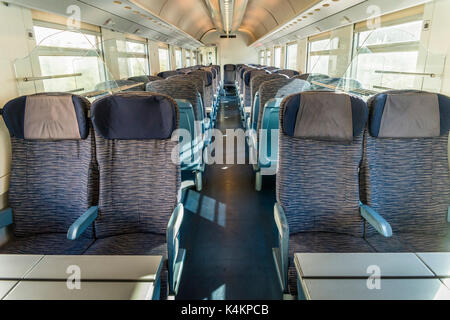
164,60
133,58
269,57
62,52
262,57
277,57
188,58
291,56
320,50
394,47
178,58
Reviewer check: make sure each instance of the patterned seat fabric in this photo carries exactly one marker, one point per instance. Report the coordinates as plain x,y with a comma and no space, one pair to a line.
114,84
248,76
278,88
208,89
405,169
53,171
145,79
320,149
139,182
48,243
229,73
287,72
257,81
167,74
179,87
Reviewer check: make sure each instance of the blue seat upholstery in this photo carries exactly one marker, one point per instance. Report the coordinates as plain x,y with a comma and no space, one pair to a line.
320,149
53,171
405,169
139,176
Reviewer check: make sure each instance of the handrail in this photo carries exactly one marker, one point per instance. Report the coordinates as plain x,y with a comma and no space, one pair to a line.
423,74
28,79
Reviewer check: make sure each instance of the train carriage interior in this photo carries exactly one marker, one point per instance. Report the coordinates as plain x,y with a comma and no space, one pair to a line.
224,150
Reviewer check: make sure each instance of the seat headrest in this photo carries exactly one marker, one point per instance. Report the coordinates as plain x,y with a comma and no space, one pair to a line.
47,116
135,116
230,67
409,114
323,115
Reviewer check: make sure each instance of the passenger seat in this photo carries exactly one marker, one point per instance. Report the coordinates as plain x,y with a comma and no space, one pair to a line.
54,176
318,204
405,170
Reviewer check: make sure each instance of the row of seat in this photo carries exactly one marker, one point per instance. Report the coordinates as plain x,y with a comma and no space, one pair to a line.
361,178
108,185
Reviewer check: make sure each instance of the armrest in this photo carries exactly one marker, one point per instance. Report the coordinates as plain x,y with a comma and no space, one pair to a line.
281,254
82,223
375,220
6,217
175,254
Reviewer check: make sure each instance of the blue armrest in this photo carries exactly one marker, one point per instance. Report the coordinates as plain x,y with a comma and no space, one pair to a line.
6,217
176,255
82,223
375,220
281,254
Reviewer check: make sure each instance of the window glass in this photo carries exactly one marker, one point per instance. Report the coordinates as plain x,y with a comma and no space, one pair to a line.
277,57
262,58
73,56
178,59
268,57
64,39
291,56
133,58
164,62
384,50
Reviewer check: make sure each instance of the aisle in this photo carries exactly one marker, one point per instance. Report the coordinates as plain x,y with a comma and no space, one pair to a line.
231,231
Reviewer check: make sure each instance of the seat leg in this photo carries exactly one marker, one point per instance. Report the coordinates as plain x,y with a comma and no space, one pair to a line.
198,181
258,181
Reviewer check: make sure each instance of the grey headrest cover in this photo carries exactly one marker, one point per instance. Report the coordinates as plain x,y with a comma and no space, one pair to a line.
405,116
324,116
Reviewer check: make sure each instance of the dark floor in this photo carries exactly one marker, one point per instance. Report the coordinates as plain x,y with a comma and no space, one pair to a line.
229,231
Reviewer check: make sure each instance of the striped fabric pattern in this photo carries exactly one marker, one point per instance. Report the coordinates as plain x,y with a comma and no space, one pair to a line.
407,182
320,242
50,243
52,183
178,88
247,88
208,90
139,186
278,88
287,72
318,184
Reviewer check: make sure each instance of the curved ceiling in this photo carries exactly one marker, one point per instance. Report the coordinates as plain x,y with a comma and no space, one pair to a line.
263,16
191,16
